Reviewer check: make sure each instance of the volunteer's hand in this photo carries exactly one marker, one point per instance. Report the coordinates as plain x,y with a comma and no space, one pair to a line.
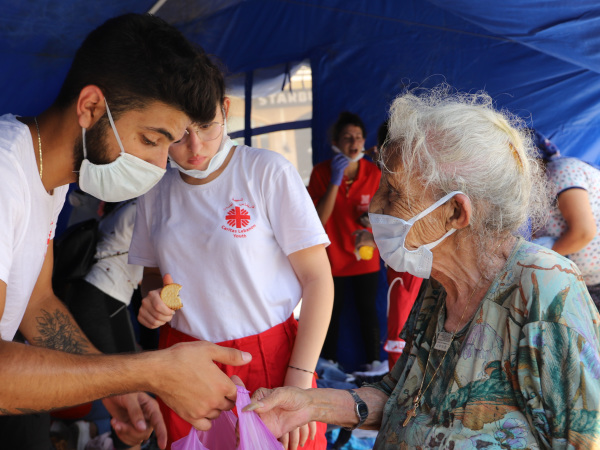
299,436
190,383
338,164
153,312
373,153
134,416
363,237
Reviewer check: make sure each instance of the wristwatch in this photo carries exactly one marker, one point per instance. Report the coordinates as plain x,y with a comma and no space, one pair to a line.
361,409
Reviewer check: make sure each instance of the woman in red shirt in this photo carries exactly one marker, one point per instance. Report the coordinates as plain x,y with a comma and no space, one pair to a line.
341,189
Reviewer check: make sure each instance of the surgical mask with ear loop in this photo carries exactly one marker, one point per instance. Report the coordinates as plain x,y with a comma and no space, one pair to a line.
126,177
215,162
390,235
356,158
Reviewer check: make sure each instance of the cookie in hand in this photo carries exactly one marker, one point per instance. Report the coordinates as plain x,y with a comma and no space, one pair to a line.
170,296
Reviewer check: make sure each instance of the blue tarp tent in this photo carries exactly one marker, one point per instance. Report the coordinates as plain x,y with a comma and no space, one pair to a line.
539,59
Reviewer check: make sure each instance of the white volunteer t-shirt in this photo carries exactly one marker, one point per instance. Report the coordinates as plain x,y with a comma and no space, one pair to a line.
111,273
227,243
29,217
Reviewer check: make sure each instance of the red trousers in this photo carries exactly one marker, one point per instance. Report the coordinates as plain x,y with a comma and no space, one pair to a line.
270,350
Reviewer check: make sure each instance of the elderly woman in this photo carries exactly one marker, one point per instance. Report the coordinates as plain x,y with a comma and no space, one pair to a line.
503,347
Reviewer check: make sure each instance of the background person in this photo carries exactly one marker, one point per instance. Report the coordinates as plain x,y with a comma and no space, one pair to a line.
99,301
503,347
572,229
341,189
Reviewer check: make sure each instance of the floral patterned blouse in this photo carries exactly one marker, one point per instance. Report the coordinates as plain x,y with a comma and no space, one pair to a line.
523,374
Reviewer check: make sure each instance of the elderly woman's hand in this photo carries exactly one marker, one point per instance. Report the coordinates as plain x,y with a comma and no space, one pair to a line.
282,409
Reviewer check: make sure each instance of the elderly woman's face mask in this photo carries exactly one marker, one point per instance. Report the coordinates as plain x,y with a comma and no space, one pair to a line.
390,235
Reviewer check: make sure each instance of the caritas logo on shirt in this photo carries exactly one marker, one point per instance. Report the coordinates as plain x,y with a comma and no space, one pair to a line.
238,218
363,207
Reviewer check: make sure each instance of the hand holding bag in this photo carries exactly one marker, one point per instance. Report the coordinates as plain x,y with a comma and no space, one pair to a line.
253,433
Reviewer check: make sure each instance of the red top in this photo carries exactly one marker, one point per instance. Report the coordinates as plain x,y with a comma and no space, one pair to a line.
351,202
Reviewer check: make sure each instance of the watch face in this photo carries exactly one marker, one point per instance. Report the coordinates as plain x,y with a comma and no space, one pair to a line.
363,410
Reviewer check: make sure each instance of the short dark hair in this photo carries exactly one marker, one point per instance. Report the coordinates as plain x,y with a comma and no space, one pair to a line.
139,58
382,134
344,119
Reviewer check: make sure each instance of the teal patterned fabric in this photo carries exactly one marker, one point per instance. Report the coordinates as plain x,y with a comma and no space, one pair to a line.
523,374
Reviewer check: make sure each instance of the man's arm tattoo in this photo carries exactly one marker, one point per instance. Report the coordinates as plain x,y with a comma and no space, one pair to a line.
59,332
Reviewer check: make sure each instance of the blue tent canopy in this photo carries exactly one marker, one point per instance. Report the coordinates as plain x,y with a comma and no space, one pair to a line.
539,59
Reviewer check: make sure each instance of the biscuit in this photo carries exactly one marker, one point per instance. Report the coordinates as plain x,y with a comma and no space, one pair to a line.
170,296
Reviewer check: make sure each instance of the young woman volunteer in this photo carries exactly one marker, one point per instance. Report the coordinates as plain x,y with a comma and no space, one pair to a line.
235,226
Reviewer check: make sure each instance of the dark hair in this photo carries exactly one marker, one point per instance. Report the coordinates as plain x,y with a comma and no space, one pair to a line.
382,134
139,58
344,119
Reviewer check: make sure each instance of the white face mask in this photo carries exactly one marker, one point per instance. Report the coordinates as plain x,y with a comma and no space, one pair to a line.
356,158
390,234
215,162
126,177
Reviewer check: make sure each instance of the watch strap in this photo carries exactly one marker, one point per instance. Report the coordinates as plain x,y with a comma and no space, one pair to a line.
361,409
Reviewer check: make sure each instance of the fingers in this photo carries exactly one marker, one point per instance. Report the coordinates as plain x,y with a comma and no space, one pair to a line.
202,424
312,426
128,433
237,381
154,417
303,435
230,356
261,393
136,415
294,439
285,440
263,400
212,415
167,279
153,312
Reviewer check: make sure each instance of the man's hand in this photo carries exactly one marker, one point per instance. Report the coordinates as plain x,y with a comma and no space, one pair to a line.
134,416
192,385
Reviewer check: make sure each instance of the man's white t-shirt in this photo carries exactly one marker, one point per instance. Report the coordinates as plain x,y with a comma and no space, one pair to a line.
227,243
29,217
111,273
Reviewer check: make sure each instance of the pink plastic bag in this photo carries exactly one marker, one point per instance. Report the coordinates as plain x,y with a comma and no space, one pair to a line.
254,435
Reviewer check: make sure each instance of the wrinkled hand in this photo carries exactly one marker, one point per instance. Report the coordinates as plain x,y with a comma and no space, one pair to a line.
153,312
338,164
364,220
192,385
363,237
283,409
134,416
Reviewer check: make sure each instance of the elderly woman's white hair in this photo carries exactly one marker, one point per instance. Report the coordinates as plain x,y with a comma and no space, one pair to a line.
458,142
